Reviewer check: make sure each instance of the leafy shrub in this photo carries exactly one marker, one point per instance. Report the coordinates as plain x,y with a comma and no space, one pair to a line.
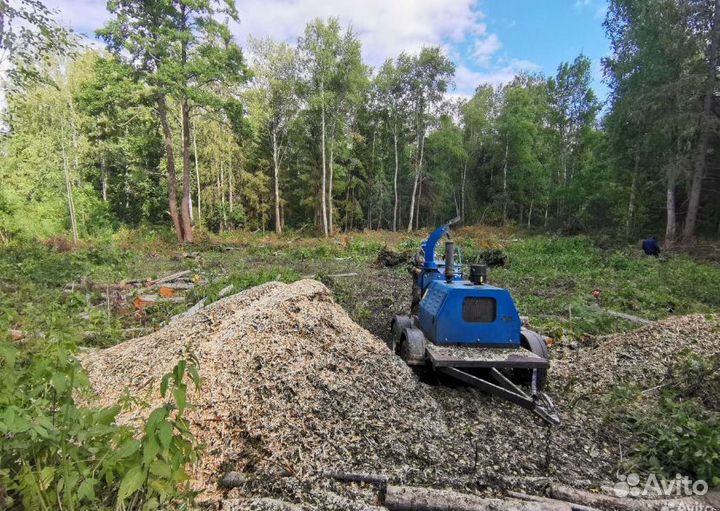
681,437
680,432
55,454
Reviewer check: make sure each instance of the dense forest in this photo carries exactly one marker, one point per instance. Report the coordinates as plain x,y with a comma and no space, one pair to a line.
173,122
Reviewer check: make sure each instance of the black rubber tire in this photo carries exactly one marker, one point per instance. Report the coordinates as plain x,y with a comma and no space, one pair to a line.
532,341
397,325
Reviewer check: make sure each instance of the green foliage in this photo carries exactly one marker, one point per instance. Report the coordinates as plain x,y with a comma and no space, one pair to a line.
56,454
680,431
248,278
552,279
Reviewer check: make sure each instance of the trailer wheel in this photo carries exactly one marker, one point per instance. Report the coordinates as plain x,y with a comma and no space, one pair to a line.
532,341
412,347
397,325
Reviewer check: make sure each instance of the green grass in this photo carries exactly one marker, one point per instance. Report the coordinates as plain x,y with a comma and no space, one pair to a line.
552,280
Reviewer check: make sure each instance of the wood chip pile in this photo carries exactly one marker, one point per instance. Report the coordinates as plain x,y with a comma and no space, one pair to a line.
293,388
640,358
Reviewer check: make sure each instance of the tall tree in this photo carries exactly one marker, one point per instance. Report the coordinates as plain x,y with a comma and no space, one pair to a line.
390,93
180,50
334,78
276,102
653,73
574,107
708,122
29,39
430,76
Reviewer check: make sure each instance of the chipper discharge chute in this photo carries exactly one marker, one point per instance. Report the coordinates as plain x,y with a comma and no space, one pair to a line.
471,331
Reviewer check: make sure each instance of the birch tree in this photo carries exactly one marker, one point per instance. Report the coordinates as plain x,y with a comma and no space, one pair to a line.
430,75
276,103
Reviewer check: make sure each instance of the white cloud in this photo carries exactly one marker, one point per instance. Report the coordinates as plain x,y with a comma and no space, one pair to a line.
484,49
467,80
385,27
84,16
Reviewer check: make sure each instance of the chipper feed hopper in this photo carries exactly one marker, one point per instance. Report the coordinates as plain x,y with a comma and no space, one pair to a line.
471,331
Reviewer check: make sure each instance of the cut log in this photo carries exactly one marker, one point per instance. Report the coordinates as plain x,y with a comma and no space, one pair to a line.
598,500
172,277
225,291
414,498
192,310
142,301
350,477
551,502
625,316
178,286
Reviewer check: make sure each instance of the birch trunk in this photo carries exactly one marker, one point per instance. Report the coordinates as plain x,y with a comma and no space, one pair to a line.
103,170
322,143
417,209
670,206
530,212
633,194
231,193
418,168
276,176
505,195
222,195
185,217
330,186
462,191
197,176
395,181
68,190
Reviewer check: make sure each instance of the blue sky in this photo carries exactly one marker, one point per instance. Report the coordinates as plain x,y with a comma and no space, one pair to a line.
490,40
537,36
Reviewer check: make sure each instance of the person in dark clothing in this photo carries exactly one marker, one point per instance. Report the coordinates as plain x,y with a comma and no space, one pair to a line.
651,247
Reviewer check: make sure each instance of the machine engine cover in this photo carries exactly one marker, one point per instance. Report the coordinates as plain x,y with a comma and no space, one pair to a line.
460,312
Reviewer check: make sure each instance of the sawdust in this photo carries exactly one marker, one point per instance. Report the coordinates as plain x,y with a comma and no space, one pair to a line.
292,388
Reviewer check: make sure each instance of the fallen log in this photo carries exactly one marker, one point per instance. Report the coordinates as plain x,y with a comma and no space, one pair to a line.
350,477
624,315
178,286
192,310
225,291
415,498
172,277
554,502
599,500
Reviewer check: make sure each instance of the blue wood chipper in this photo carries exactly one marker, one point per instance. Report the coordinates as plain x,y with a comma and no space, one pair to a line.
471,331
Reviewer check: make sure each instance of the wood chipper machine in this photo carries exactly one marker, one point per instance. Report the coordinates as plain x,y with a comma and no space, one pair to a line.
471,331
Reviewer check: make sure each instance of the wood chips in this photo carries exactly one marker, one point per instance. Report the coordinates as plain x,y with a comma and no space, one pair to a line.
292,388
